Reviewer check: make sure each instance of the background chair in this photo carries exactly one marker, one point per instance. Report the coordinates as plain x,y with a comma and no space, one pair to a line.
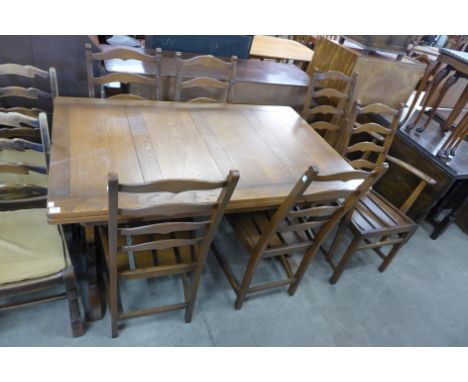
19,91
153,82
176,246
217,76
299,225
375,222
326,108
33,254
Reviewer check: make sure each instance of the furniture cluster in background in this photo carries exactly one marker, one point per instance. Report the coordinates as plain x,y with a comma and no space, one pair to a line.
290,187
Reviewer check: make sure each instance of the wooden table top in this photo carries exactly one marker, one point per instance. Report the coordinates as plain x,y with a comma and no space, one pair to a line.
251,71
280,48
143,141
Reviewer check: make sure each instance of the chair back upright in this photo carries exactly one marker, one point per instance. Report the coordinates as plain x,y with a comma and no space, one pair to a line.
123,53
217,77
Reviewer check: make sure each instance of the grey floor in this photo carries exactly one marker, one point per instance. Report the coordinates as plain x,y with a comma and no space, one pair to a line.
421,300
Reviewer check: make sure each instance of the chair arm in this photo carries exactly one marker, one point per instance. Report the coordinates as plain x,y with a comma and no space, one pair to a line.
421,175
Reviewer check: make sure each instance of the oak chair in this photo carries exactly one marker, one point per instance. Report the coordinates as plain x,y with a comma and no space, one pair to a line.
126,78
178,245
221,82
299,225
375,222
326,108
33,254
30,93
24,160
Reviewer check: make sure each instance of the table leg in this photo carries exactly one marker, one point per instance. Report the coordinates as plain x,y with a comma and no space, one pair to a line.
94,303
447,85
438,78
459,106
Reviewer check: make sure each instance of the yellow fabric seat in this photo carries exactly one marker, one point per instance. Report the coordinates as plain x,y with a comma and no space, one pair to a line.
29,246
27,156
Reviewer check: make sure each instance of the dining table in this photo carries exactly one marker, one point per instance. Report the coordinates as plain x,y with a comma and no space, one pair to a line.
280,49
143,141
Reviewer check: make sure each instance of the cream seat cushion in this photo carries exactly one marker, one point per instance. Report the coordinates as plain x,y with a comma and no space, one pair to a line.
27,156
29,246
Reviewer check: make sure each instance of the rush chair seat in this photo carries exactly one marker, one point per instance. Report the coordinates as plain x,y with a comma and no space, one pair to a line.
154,82
217,78
33,254
375,223
177,245
298,226
327,104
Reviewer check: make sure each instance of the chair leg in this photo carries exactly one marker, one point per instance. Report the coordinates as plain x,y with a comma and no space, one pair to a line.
113,302
393,252
338,238
247,279
344,260
308,257
71,287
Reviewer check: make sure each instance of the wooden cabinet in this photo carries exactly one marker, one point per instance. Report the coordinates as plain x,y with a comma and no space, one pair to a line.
381,77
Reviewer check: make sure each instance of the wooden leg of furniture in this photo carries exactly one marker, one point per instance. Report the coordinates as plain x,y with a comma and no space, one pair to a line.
192,297
424,85
94,303
459,106
455,138
438,78
247,279
71,288
345,259
447,85
394,251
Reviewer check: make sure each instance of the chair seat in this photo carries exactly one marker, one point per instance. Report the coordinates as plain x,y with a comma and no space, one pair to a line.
249,227
374,214
27,156
29,247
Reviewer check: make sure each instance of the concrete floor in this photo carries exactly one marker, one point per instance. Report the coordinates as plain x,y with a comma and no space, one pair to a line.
419,301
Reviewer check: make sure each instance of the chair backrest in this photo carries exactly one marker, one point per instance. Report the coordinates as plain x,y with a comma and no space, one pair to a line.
127,78
223,83
367,154
16,138
322,212
176,215
326,108
31,93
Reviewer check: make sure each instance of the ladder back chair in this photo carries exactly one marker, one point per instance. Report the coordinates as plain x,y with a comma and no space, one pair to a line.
176,246
33,254
375,222
366,154
154,82
24,162
326,106
298,226
27,94
218,76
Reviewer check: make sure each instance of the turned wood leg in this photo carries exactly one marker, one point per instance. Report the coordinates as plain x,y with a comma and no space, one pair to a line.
71,288
445,87
438,78
459,106
462,133
424,85
94,303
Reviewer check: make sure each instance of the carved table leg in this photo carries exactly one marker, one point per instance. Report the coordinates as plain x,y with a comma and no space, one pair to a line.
459,106
455,138
94,303
451,80
424,85
461,137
